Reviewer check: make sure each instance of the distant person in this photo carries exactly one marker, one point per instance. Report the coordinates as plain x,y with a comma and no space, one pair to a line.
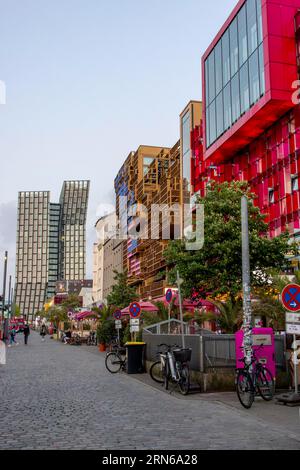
26,332
43,332
12,336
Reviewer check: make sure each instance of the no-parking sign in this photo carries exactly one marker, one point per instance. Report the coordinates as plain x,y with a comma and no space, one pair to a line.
135,310
290,297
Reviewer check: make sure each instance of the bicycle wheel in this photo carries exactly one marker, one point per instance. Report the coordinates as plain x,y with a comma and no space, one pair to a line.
184,383
156,372
244,389
265,384
113,362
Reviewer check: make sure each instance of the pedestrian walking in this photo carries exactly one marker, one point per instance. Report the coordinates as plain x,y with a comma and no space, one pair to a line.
43,332
26,332
12,337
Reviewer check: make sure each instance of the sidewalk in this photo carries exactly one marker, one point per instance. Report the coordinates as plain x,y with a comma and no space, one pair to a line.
288,418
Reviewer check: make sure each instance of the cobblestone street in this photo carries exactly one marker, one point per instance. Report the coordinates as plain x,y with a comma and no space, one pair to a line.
61,397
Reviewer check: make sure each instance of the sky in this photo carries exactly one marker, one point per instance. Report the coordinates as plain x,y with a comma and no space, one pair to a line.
88,81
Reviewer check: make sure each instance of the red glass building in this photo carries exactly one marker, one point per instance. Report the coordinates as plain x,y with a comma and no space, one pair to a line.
250,128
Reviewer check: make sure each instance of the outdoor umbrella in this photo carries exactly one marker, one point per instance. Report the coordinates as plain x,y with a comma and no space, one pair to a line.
145,307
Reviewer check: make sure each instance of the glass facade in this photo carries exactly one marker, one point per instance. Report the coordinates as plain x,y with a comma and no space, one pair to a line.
234,71
50,244
74,204
32,252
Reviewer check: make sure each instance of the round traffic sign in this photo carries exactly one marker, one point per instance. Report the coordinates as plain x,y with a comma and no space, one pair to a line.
117,314
169,296
290,297
135,310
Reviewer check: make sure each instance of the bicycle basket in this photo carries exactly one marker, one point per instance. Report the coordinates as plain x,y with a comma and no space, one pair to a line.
182,355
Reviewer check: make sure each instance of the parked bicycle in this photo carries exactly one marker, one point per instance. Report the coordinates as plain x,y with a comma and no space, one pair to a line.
75,340
92,339
116,360
251,383
173,366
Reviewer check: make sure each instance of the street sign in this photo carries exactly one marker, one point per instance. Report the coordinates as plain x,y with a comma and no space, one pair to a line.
134,321
169,296
135,310
134,329
292,317
118,324
117,314
290,297
293,328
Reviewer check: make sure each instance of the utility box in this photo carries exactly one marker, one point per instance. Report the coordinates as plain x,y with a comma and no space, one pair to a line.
135,357
265,354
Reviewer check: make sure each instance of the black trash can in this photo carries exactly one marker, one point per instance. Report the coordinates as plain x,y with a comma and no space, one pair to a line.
135,358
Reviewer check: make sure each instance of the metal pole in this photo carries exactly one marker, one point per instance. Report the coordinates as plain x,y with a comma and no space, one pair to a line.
169,317
247,320
9,295
4,289
179,281
295,366
12,303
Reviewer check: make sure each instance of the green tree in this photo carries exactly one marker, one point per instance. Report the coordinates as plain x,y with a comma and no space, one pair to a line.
216,269
122,294
71,303
55,315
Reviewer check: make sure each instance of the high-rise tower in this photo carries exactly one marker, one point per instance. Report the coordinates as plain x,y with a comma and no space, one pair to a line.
51,243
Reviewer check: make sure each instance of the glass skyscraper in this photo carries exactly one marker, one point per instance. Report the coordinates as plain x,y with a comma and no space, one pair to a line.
51,243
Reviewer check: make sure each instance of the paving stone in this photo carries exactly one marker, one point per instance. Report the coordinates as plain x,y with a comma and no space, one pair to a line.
61,397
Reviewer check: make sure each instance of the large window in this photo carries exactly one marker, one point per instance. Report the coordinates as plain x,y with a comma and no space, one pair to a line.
234,71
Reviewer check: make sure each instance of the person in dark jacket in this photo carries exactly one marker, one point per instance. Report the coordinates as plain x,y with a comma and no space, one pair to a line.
43,332
26,332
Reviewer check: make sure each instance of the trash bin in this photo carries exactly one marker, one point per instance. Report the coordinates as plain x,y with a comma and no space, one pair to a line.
135,358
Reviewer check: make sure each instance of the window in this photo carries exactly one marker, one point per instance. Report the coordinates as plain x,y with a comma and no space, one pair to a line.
234,51
243,41
212,121
252,26
211,74
218,67
254,78
227,107
235,98
295,183
234,71
226,57
244,86
271,196
219,114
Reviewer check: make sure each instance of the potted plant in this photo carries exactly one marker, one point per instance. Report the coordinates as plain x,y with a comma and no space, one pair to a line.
105,332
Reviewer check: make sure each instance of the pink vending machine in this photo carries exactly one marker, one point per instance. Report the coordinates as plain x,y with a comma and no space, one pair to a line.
266,354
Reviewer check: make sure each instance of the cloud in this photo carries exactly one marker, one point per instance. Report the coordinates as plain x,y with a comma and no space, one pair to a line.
8,227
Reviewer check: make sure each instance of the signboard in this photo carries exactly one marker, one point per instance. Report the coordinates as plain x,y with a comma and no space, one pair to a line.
169,296
134,321
134,329
118,324
135,310
258,340
292,317
290,297
117,314
293,328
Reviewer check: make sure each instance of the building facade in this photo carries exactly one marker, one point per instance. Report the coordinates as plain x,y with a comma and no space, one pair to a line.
150,177
74,204
250,129
50,243
32,256
107,257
